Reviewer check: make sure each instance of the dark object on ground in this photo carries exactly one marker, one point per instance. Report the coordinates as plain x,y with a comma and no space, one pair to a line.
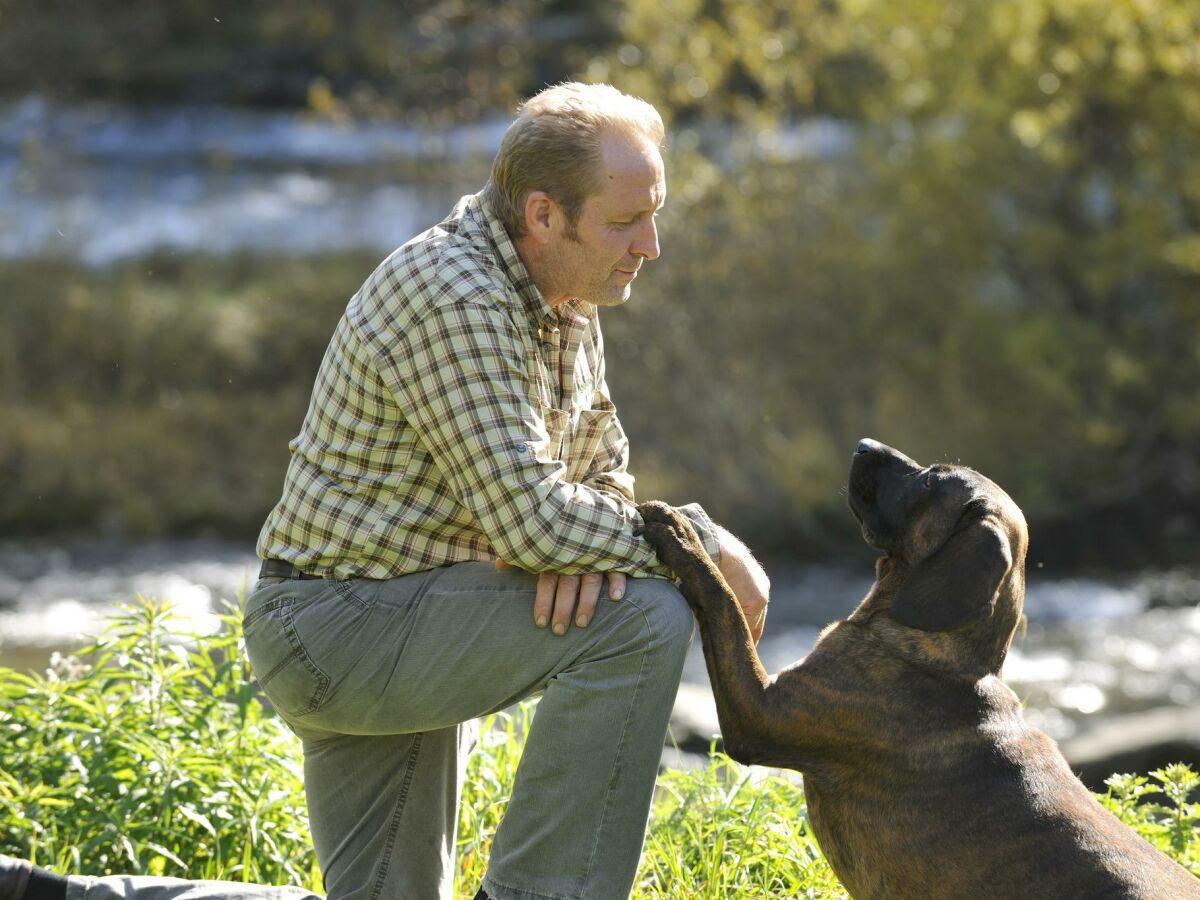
14,876
922,778
1136,742
21,880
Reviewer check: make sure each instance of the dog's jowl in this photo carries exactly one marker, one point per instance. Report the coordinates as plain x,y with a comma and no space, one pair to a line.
923,780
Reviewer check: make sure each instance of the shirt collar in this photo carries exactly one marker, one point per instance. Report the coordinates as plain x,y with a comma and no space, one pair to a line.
536,307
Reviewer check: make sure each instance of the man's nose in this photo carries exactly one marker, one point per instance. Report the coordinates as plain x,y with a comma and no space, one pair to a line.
646,243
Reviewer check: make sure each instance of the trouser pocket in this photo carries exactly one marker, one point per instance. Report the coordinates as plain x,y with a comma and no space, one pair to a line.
296,641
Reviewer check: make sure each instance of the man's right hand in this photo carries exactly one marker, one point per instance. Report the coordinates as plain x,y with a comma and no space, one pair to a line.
561,599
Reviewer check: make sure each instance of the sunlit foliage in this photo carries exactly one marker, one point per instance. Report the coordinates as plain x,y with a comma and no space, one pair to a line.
152,753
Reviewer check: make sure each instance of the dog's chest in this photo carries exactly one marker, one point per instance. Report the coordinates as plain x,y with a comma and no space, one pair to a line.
887,832
846,840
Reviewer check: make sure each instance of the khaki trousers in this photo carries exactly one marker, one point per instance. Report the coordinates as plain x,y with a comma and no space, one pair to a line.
378,678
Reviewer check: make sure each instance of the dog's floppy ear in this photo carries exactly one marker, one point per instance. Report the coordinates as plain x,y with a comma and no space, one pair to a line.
957,583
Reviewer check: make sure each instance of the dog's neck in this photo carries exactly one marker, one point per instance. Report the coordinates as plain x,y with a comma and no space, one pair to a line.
968,653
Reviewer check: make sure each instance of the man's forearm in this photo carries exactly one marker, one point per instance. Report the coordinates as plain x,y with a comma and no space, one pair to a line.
746,578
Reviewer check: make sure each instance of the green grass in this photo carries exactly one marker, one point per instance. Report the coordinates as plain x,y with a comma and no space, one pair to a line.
151,754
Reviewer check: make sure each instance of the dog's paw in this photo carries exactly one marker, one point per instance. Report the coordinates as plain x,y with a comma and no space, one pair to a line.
655,512
670,534
662,524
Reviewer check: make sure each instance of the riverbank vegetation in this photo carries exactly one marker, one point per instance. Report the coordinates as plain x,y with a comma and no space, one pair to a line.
149,753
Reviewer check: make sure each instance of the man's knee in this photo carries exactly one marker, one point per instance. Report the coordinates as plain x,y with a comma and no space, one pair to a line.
666,614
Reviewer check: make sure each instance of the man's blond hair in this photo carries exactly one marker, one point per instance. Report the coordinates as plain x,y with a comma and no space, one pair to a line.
554,146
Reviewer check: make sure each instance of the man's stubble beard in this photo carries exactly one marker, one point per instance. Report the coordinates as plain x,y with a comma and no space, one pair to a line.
614,300
605,293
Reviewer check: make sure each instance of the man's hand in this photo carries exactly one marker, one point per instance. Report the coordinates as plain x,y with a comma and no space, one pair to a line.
747,579
558,598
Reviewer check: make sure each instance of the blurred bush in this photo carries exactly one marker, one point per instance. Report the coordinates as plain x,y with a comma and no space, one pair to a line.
1001,268
158,396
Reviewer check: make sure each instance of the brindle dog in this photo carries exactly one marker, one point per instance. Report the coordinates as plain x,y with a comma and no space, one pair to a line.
922,778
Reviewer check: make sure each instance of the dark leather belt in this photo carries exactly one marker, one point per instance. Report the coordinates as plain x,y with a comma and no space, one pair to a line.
277,568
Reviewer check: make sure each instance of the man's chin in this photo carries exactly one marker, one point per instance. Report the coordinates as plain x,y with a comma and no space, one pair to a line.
609,298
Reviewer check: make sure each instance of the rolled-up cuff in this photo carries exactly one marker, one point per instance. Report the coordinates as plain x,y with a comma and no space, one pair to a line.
706,530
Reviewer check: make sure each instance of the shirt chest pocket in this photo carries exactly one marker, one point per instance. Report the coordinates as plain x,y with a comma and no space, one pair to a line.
574,440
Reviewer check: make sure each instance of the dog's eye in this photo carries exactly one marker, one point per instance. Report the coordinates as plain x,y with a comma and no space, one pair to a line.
927,480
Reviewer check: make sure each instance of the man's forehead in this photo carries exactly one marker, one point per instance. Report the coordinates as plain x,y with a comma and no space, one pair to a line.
621,153
632,173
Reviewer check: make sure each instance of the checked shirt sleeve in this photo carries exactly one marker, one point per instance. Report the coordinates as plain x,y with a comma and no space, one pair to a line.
461,377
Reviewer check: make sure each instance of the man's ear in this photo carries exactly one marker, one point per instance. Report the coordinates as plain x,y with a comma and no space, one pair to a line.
539,215
957,584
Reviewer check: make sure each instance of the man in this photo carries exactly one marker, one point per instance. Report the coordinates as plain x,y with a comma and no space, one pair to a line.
460,436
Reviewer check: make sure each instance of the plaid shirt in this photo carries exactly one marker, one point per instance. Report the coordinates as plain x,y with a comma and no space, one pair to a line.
457,417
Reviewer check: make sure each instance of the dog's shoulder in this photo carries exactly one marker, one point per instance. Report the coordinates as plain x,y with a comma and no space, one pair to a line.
876,648
850,649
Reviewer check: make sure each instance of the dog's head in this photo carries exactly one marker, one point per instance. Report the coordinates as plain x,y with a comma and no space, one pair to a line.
954,546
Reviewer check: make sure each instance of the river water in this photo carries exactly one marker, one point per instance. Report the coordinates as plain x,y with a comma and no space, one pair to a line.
100,183
1093,647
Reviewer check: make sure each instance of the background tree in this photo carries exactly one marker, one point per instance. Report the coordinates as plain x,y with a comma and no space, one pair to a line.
1000,265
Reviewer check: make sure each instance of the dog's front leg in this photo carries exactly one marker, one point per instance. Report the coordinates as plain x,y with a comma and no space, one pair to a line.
762,722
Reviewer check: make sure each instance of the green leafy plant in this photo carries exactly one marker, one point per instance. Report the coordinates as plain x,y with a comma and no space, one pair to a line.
724,830
1158,809
148,755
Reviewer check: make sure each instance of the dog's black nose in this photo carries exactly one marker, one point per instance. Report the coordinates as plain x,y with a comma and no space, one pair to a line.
866,445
